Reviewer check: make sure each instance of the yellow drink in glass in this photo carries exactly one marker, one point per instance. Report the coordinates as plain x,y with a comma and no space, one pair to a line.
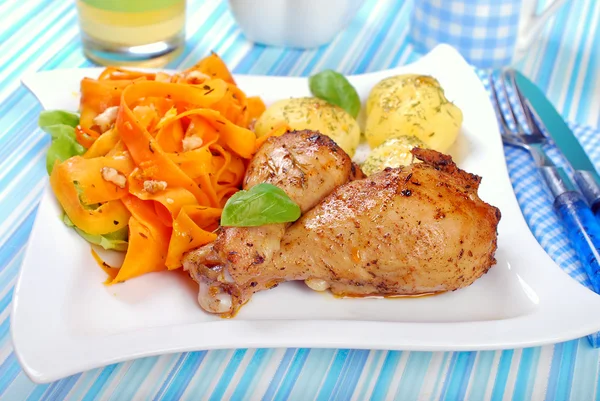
132,32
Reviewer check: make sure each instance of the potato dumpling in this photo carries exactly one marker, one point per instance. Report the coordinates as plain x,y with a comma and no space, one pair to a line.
314,114
394,152
412,105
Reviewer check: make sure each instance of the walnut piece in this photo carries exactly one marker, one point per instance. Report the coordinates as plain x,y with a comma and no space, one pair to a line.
153,186
191,143
196,77
112,175
107,118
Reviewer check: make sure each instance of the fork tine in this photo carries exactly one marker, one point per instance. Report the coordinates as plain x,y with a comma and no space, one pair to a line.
514,140
510,107
532,123
497,107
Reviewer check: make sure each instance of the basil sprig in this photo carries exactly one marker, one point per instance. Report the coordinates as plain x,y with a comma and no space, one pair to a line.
334,88
262,204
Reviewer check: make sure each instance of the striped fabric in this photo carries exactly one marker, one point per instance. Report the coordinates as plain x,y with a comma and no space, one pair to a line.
43,34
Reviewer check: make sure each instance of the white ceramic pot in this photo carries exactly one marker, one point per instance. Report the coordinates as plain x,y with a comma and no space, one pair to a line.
293,23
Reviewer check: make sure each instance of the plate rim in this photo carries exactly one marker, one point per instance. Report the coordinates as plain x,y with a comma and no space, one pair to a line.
336,331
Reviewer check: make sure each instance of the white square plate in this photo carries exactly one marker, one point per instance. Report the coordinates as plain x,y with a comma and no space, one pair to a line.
65,320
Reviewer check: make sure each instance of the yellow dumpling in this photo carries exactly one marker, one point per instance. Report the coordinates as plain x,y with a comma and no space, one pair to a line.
314,114
413,105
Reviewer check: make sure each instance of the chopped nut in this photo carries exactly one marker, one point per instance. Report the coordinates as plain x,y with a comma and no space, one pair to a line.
169,115
153,186
121,155
107,118
252,124
139,111
145,115
196,77
191,143
162,77
112,175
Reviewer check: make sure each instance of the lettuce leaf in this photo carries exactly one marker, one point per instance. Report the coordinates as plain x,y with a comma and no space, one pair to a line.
61,127
116,241
57,117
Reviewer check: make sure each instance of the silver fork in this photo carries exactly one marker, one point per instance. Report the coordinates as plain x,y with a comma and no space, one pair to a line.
528,137
579,221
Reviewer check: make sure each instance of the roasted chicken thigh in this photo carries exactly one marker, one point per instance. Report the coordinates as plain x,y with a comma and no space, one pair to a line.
406,231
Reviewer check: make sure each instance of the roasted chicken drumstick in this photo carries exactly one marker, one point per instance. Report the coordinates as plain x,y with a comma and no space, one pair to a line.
307,166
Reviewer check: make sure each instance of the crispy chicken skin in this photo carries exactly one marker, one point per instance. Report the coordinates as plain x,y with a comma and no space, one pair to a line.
307,166
414,230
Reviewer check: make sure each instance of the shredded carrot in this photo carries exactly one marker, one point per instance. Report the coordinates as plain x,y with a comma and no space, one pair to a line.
115,73
77,198
146,252
109,270
177,150
255,109
97,96
278,130
191,230
214,67
103,144
85,136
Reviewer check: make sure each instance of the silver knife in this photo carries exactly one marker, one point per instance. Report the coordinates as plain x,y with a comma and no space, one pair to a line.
585,173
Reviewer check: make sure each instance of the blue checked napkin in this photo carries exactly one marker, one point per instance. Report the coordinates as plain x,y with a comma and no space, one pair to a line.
536,201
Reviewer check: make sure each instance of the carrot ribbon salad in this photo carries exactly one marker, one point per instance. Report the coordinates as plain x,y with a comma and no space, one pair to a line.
151,160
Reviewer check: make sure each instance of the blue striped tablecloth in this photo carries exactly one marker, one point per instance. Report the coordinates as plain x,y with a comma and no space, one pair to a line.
565,62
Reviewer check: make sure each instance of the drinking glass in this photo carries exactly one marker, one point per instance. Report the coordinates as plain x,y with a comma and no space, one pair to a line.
132,32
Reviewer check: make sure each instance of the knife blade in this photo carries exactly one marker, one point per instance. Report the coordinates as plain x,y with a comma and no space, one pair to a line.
585,173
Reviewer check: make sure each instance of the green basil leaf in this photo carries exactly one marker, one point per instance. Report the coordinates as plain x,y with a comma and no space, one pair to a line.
262,204
61,127
334,88
116,241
